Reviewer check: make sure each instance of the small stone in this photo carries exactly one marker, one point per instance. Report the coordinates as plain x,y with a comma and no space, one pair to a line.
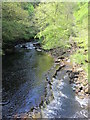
82,91
36,115
76,91
23,46
57,60
39,50
79,69
68,60
68,50
81,96
86,90
78,82
85,83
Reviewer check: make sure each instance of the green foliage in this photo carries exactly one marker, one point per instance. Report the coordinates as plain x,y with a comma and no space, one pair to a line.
55,23
80,58
28,7
81,19
16,22
82,12
58,21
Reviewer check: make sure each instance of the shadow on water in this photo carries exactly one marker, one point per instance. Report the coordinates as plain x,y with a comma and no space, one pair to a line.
23,80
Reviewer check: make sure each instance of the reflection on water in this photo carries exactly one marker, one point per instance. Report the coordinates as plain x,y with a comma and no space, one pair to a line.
24,79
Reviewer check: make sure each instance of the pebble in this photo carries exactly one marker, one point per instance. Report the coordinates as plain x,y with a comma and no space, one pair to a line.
85,83
86,90
36,115
68,60
79,69
39,50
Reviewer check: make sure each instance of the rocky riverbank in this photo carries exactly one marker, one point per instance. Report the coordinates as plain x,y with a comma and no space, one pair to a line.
78,77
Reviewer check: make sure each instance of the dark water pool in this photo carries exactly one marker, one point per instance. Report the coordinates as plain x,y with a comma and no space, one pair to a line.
24,79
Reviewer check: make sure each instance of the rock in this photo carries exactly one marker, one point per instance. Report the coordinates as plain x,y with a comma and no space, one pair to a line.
76,73
36,115
61,57
81,93
71,81
76,91
41,103
23,46
57,60
29,115
49,83
77,82
86,61
51,98
81,96
39,50
79,69
85,83
37,44
68,60
82,47
44,105
47,102
68,50
86,90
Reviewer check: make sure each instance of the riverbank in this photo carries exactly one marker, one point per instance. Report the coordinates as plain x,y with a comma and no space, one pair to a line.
75,71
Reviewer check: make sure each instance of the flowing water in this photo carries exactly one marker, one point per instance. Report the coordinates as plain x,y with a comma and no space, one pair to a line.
65,103
24,79
24,84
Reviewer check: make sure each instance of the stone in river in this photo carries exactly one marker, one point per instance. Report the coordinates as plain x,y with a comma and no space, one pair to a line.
38,49
36,115
24,46
81,96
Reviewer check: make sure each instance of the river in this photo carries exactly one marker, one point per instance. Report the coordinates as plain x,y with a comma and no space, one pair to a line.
24,79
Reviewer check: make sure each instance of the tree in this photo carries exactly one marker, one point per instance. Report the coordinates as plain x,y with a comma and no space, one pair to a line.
16,22
55,22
